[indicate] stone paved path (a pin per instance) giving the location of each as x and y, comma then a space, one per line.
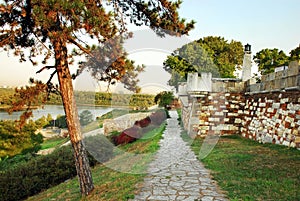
176, 174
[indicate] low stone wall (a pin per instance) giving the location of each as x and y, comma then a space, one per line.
123, 122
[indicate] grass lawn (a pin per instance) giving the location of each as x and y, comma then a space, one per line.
248, 170
111, 184
53, 142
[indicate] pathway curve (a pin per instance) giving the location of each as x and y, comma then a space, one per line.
176, 174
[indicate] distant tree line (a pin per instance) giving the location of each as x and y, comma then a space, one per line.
90, 98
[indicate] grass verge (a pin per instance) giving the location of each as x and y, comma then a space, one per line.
248, 170
53, 142
109, 183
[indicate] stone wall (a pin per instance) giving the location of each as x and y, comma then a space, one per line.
268, 111
220, 114
267, 118
288, 79
273, 118
123, 122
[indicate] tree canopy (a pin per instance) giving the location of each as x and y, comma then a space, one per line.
268, 59
164, 98
32, 29
295, 54
208, 54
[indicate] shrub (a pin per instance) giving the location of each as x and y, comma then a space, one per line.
42, 172
143, 123
128, 136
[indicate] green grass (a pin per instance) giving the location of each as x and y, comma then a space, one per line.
53, 142
248, 170
109, 183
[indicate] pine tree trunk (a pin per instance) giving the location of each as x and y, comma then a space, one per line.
67, 93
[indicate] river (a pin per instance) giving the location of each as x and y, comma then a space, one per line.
54, 111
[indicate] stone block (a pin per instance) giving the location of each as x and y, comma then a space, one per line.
284, 73
294, 68
286, 143
204, 128
276, 105
289, 119
278, 75
271, 76
284, 100
238, 121
262, 104
226, 119
292, 81
233, 114
242, 112
293, 144
267, 139
278, 84
219, 114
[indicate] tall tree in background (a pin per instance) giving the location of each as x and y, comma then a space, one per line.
210, 54
48, 28
295, 54
268, 59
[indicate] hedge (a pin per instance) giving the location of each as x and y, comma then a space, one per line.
43, 172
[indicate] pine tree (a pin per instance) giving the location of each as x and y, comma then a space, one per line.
34, 28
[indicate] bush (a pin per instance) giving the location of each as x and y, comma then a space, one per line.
143, 123
42, 172
128, 136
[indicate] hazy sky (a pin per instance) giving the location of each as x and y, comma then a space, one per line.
261, 23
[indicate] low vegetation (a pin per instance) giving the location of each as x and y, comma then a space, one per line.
37, 174
15, 140
112, 183
248, 170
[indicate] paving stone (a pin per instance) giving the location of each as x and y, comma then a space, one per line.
175, 173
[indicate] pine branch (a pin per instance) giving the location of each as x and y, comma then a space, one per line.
45, 67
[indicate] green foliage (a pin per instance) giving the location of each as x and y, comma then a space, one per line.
268, 59
295, 54
30, 177
15, 140
108, 99
6, 96
43, 121
12, 162
59, 122
164, 99
210, 54
110, 185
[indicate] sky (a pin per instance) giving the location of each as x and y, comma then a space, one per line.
261, 23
